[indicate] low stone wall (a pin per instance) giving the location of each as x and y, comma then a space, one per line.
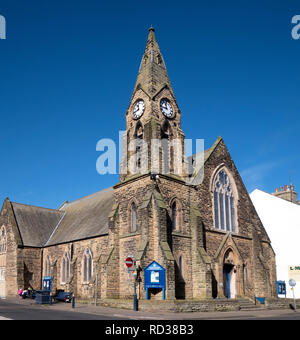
281, 303
175, 306
180, 306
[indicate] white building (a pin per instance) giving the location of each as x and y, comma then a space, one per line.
281, 220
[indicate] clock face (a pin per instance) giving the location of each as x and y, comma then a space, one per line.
166, 108
138, 109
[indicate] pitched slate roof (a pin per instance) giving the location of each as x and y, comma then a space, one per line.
35, 223
84, 218
195, 168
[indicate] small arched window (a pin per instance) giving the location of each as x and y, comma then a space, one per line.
2, 240
224, 201
166, 131
47, 266
176, 216
133, 217
87, 266
65, 271
139, 131
139, 145
180, 264
167, 146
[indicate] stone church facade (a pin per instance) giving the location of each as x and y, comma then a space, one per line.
207, 236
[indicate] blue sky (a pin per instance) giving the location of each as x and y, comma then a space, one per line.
68, 69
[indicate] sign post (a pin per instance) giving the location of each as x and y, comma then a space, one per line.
135, 303
292, 283
96, 289
130, 263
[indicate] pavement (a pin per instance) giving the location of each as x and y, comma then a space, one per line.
124, 314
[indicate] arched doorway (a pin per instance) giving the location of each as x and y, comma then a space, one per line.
229, 275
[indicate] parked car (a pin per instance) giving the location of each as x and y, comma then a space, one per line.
63, 296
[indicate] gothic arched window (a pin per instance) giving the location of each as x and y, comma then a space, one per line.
65, 271
139, 131
47, 266
166, 131
133, 217
167, 148
180, 265
224, 202
139, 145
176, 216
2, 240
87, 266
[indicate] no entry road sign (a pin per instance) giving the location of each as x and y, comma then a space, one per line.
129, 262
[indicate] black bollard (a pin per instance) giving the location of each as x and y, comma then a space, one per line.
135, 303
73, 302
135, 300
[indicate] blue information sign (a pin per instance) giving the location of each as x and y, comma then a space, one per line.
280, 288
47, 283
154, 277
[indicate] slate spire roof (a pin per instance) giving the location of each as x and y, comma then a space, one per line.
153, 75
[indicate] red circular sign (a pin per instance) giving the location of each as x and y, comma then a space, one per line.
129, 262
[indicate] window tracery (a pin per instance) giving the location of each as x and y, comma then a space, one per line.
224, 202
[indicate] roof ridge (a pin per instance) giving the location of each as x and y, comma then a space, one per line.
67, 203
35, 206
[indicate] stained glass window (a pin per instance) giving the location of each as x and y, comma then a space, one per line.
65, 274
47, 266
224, 202
87, 266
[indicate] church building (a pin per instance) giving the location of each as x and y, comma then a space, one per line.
204, 236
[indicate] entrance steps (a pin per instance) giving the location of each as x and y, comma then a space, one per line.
248, 305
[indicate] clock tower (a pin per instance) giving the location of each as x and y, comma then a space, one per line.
154, 141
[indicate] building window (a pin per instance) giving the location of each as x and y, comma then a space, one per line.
167, 147
47, 266
176, 216
2, 240
133, 217
87, 266
224, 202
180, 264
65, 272
139, 131
139, 146
2, 274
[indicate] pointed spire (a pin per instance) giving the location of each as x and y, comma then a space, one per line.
151, 35
153, 75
